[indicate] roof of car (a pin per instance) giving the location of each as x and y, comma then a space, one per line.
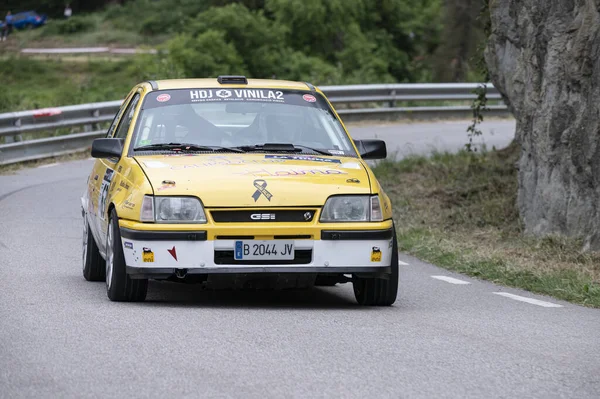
171, 84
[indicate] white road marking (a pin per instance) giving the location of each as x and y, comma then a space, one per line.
48, 165
450, 280
529, 300
400, 263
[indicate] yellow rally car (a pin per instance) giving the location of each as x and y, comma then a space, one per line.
236, 182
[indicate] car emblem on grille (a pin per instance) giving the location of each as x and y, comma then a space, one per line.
307, 216
262, 216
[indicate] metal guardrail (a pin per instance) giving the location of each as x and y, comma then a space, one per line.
386, 96
87, 50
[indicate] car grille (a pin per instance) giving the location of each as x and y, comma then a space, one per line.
263, 215
301, 257
275, 237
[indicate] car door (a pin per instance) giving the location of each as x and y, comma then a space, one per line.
98, 177
107, 172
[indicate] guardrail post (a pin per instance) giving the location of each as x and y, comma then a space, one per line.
96, 114
392, 103
16, 137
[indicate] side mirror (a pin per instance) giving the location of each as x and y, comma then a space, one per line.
371, 149
107, 148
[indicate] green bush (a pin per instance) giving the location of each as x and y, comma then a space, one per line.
75, 24
152, 25
206, 55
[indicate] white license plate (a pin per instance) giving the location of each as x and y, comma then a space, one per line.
264, 250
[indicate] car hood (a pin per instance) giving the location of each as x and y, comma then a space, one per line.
255, 180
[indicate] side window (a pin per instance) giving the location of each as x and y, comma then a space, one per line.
125, 122
113, 125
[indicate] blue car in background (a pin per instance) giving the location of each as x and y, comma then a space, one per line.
26, 19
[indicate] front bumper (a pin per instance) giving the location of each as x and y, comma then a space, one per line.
332, 251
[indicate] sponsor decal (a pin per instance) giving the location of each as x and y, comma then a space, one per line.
124, 185
96, 177
223, 93
261, 189
128, 204
166, 184
162, 98
119, 168
147, 255
375, 254
128, 244
237, 95
173, 252
292, 172
303, 158
336, 152
309, 98
352, 180
106, 180
350, 165
155, 164
226, 161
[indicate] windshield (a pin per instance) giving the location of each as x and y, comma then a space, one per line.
229, 118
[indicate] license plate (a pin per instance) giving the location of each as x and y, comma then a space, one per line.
264, 250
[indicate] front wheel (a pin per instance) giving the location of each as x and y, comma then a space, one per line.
93, 264
119, 286
378, 291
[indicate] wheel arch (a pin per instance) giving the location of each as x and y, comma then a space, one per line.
111, 206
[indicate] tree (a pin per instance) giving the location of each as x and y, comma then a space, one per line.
463, 35
544, 57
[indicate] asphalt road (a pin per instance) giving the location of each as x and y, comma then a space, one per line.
424, 138
61, 337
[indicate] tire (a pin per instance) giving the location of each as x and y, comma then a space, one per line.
119, 286
93, 264
378, 291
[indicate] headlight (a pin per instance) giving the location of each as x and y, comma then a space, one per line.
352, 208
178, 210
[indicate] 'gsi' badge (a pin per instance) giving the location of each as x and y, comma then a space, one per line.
375, 254
148, 255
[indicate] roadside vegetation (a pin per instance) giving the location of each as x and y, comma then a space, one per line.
458, 211
325, 42
31, 84
15, 167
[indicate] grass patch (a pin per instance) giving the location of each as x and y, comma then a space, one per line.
30, 84
458, 211
91, 30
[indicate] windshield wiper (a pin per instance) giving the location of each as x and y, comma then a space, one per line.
185, 147
277, 147
314, 149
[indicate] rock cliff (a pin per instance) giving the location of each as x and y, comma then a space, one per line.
544, 57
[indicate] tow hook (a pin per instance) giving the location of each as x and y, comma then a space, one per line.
181, 273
